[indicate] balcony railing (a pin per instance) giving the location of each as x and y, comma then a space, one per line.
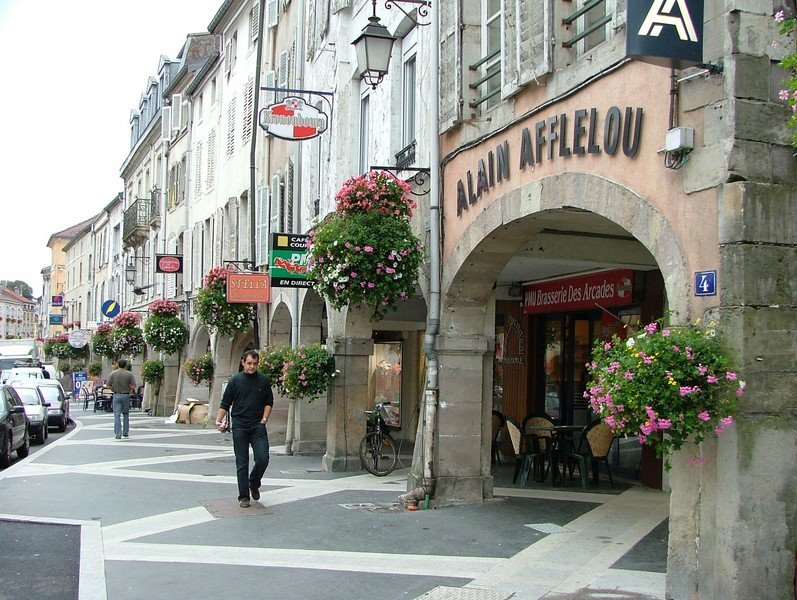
136, 222
154, 209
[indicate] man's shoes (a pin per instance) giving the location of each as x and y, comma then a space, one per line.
243, 503
127, 435
118, 437
255, 493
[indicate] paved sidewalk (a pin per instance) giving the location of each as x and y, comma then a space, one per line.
158, 519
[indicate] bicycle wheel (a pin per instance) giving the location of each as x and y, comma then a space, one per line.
378, 454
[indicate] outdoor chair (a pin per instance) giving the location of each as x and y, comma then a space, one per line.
541, 446
593, 448
516, 438
86, 393
498, 423
103, 399
137, 398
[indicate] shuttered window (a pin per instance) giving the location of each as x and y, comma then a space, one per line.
231, 127
248, 104
261, 259
210, 176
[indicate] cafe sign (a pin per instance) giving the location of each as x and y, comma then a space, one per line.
293, 120
288, 260
248, 287
608, 288
169, 263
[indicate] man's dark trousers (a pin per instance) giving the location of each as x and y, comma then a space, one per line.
242, 438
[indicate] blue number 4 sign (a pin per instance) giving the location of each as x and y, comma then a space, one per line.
706, 283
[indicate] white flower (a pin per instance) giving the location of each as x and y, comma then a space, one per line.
630, 342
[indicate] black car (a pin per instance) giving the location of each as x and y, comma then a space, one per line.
53, 393
13, 426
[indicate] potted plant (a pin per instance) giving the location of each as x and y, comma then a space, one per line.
95, 370
667, 385
215, 312
199, 368
164, 330
152, 372
366, 252
127, 337
272, 361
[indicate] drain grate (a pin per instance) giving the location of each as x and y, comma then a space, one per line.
549, 528
373, 507
443, 592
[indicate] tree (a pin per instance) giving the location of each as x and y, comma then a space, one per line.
20, 287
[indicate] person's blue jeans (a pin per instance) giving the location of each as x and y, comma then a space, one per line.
242, 438
121, 415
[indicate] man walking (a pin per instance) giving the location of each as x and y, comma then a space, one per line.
122, 384
249, 394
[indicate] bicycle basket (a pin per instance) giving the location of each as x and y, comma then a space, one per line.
391, 416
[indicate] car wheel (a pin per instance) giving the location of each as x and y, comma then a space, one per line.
40, 435
62, 424
24, 449
45, 431
5, 454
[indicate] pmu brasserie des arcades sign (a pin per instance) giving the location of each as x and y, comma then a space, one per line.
607, 288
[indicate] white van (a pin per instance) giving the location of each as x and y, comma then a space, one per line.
17, 373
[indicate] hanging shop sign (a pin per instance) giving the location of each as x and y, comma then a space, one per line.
57, 301
608, 288
169, 263
78, 338
288, 260
293, 119
248, 287
585, 131
56, 319
665, 32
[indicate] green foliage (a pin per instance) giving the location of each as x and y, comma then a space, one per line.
95, 369
152, 372
199, 368
166, 334
212, 308
304, 372
102, 342
19, 286
787, 27
127, 341
665, 386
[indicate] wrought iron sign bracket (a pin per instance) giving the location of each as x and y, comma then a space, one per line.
325, 96
421, 5
419, 177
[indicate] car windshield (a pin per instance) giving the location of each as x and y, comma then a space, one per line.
51, 395
29, 397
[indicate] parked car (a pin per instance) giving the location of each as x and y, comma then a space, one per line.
51, 391
36, 409
14, 434
17, 373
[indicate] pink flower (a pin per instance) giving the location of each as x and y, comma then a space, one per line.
664, 424
371, 285
651, 327
665, 333
731, 376
629, 375
642, 438
783, 94
702, 369
368, 249
780, 16
704, 416
647, 428
607, 346
727, 421
711, 379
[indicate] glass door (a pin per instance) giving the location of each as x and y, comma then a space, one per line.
553, 367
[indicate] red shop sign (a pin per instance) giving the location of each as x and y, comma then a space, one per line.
608, 288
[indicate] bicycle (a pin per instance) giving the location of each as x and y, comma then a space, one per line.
378, 453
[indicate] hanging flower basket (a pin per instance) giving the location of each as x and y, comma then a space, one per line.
788, 93
366, 252
199, 368
127, 337
163, 329
102, 342
304, 372
152, 372
227, 318
666, 386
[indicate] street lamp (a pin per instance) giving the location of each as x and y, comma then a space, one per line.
130, 272
373, 49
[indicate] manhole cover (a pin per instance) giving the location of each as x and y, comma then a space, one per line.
454, 593
549, 528
228, 507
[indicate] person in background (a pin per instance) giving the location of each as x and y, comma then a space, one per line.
122, 384
246, 406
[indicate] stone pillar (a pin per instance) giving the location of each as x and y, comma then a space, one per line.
164, 401
462, 444
350, 332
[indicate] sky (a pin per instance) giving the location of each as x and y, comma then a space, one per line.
71, 72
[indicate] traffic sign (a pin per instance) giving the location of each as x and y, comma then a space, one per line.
78, 338
110, 308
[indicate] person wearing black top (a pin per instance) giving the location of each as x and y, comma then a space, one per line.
249, 394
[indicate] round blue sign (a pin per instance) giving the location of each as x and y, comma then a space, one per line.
110, 308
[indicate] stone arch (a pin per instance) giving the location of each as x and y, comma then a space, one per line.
501, 229
280, 322
311, 318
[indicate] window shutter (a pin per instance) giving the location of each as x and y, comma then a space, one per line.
323, 19
228, 57
210, 175
273, 13
248, 104
535, 35
282, 73
171, 279
262, 227
339, 5
196, 246
276, 204
166, 123
188, 259
218, 236
231, 127
254, 20
450, 65
289, 196
271, 81
310, 28
177, 101
198, 169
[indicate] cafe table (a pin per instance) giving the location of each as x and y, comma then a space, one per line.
557, 451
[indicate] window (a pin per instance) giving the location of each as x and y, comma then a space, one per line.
254, 21
408, 90
213, 92
364, 133
590, 24
198, 105
491, 49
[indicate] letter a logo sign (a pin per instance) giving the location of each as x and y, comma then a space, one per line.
668, 33
661, 14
